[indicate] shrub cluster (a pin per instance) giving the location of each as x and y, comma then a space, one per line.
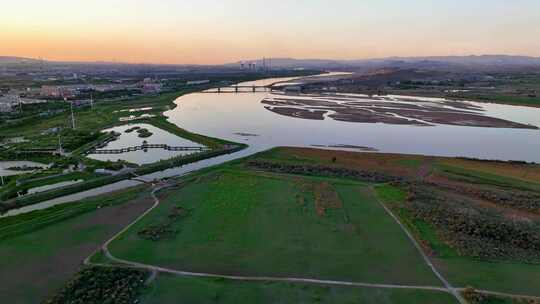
315, 170
474, 297
475, 231
164, 230
144, 133
522, 200
102, 285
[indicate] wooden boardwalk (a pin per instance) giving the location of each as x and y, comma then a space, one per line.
149, 146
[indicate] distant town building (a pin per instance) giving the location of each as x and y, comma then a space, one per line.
5, 108
58, 92
65, 91
109, 87
151, 88
8, 103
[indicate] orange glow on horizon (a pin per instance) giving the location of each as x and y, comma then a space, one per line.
215, 32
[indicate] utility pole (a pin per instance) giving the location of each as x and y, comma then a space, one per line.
60, 150
72, 116
92, 100
91, 87
20, 103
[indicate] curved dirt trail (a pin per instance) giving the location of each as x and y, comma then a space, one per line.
445, 282
154, 269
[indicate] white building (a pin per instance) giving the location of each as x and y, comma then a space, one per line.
8, 103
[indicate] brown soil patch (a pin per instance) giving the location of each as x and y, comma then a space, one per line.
369, 111
326, 198
299, 113
41, 276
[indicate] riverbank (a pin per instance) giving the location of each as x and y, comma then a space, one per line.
130, 174
105, 115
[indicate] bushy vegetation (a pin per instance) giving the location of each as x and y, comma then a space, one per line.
475, 297
319, 170
473, 230
102, 285
144, 133
516, 199
164, 230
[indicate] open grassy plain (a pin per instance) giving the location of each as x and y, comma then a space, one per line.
169, 289
306, 214
240, 222
505, 194
41, 250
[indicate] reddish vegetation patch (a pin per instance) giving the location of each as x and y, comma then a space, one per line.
326, 198
526, 172
380, 162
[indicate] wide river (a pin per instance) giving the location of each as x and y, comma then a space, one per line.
242, 117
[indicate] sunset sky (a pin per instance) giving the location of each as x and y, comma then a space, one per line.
219, 31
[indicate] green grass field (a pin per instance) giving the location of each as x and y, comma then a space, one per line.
171, 289
247, 223
233, 220
41, 250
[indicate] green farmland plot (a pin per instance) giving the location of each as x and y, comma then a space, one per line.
169, 289
254, 224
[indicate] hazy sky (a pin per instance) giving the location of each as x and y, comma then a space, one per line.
218, 31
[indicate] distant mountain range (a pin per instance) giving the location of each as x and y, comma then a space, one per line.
481, 61
13, 60
406, 62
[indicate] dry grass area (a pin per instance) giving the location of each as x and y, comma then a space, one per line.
529, 173
405, 165
392, 164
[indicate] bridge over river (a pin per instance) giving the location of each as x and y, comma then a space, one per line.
241, 89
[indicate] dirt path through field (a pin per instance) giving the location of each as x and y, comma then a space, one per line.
154, 269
